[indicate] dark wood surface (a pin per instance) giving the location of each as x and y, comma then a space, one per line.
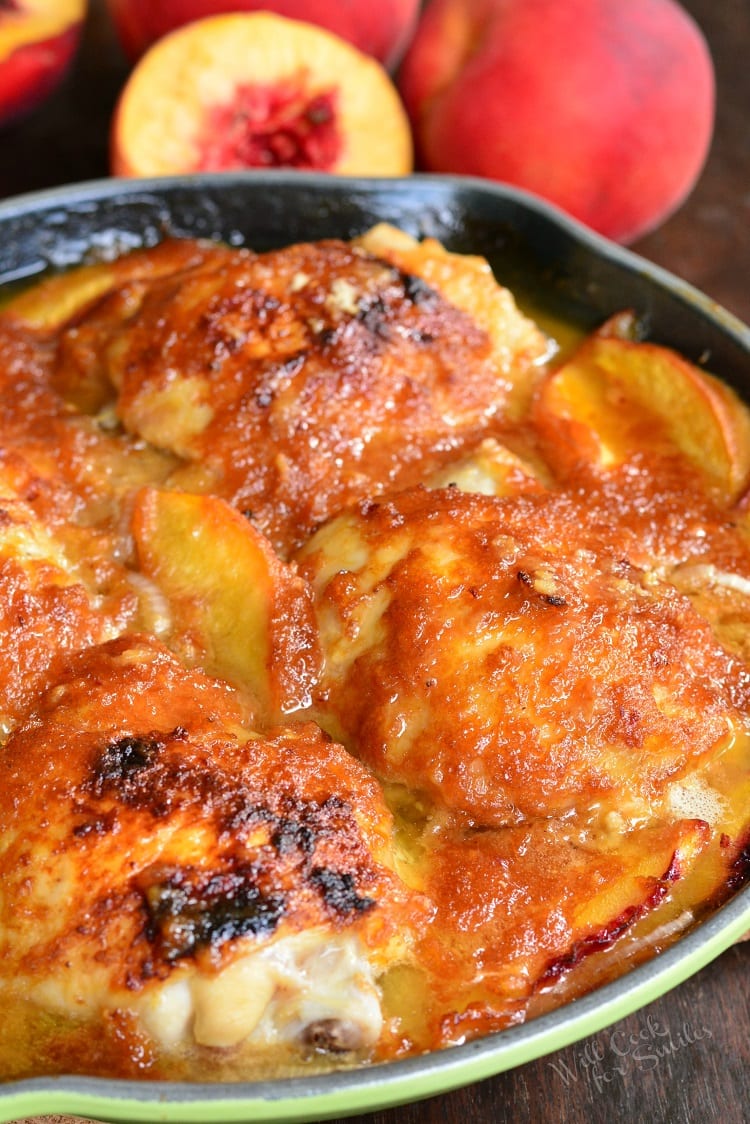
707, 1019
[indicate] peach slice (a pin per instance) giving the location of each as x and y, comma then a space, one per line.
56, 300
578, 900
253, 90
249, 614
38, 39
616, 397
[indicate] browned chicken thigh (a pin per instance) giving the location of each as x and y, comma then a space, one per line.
169, 877
295, 381
479, 650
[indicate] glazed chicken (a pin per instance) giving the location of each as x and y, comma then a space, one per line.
284, 379
540, 710
491, 654
174, 878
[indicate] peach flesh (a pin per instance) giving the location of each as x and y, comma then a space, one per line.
272, 126
161, 123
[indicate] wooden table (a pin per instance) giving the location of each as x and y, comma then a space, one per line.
707, 1078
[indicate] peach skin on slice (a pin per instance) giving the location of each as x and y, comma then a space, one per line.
248, 614
617, 397
256, 90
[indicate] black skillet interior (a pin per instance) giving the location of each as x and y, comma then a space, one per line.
533, 249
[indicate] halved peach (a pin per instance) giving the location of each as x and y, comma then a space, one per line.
248, 614
616, 397
254, 90
38, 39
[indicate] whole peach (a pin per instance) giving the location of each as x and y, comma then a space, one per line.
600, 106
382, 29
38, 39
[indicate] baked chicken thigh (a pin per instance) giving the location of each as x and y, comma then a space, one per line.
169, 879
479, 653
295, 381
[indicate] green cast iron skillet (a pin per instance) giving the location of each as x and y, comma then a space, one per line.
547, 259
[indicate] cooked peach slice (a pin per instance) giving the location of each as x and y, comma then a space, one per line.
577, 900
616, 397
55, 301
49, 304
249, 614
255, 90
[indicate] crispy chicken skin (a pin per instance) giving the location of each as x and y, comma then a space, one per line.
284, 379
467, 281
62, 450
160, 861
477, 652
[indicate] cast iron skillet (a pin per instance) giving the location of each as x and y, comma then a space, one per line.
542, 255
